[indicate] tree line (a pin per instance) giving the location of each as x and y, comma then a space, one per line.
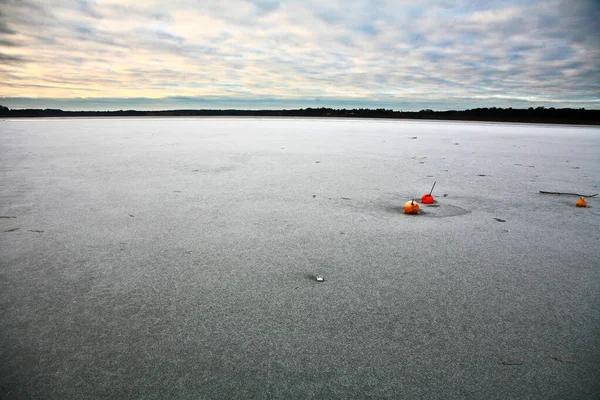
534, 115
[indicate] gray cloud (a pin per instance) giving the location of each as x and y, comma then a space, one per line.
5, 30
85, 29
8, 43
163, 33
29, 85
266, 6
12, 59
89, 7
163, 16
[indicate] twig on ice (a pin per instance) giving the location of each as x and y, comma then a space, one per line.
570, 194
431, 191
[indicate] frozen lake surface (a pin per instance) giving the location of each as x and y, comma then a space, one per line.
176, 258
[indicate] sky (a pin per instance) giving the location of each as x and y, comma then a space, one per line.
278, 54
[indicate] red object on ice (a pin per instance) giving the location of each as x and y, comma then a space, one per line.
427, 199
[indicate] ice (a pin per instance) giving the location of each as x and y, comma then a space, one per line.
176, 257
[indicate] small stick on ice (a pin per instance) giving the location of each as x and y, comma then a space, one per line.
431, 191
570, 194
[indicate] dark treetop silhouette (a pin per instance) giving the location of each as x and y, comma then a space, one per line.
535, 115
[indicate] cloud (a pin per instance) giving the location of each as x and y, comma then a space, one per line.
8, 43
85, 29
89, 7
266, 6
12, 59
375, 52
162, 16
163, 33
5, 30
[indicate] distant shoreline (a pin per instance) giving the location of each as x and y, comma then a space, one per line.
540, 115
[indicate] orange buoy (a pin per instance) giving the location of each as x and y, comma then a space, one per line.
411, 207
427, 199
580, 203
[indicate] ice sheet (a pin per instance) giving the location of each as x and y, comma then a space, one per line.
176, 257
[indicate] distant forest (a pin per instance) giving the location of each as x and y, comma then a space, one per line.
533, 115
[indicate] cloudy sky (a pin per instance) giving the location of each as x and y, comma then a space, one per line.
400, 54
